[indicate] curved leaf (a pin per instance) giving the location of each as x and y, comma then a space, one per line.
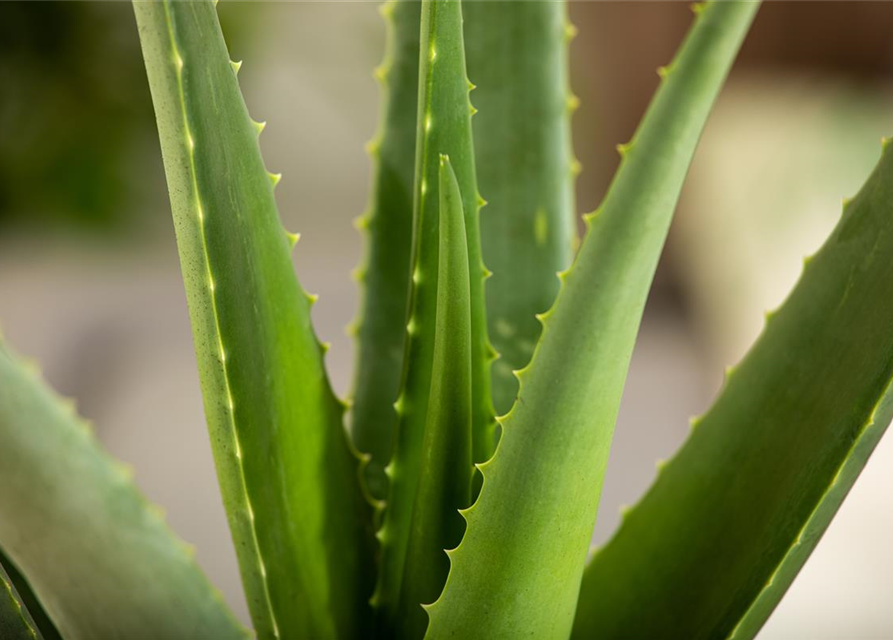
517, 571
99, 558
717, 540
301, 526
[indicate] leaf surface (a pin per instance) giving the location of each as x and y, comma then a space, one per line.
517, 55
384, 276
517, 571
99, 558
300, 524
444, 128
723, 531
445, 481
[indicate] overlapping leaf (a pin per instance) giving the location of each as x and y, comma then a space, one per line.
444, 128
729, 522
517, 55
518, 568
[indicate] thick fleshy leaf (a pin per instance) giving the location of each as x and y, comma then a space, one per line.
717, 540
384, 276
517, 54
445, 481
99, 558
444, 128
517, 571
289, 480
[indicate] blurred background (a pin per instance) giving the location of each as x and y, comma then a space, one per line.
89, 275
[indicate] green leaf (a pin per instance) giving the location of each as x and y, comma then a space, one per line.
445, 485
444, 128
99, 558
384, 276
517, 571
517, 55
41, 618
301, 526
15, 621
721, 534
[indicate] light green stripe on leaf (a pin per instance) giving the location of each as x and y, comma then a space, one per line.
444, 128
15, 620
719, 537
36, 610
517, 571
384, 276
301, 527
99, 558
517, 55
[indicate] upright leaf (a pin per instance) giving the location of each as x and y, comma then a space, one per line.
99, 558
445, 482
444, 128
518, 57
517, 571
384, 276
289, 481
717, 540
15, 621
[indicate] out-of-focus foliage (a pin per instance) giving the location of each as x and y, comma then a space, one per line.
75, 114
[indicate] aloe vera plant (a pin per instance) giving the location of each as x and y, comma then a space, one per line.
426, 515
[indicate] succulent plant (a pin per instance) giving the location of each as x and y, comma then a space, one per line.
430, 516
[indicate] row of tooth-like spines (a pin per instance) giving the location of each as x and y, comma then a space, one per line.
625, 149
122, 472
275, 178
520, 374
572, 102
291, 237
730, 371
